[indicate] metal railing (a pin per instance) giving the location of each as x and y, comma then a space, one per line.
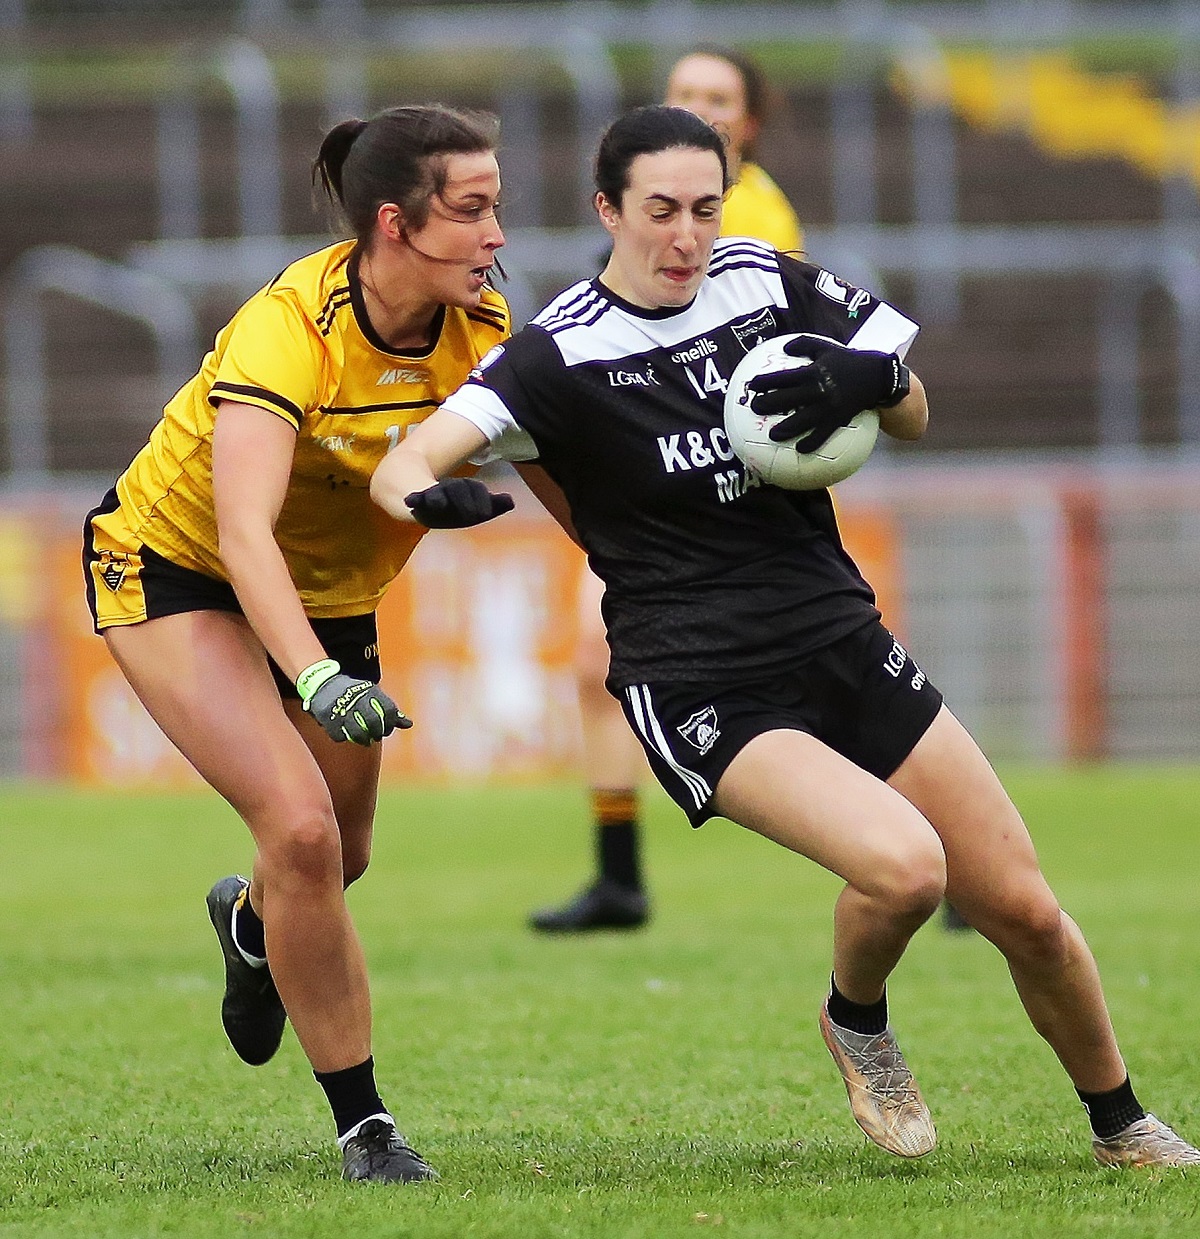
159, 280
156, 304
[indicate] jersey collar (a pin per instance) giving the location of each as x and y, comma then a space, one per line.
373, 338
640, 311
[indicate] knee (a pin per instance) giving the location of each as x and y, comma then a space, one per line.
1027, 926
912, 882
304, 852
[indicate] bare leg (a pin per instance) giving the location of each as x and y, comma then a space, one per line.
994, 879
793, 789
204, 678
790, 787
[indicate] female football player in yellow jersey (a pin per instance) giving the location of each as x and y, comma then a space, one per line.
235, 568
726, 88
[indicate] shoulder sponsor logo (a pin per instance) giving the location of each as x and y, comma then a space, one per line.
828, 285
490, 357
401, 374
701, 730
753, 329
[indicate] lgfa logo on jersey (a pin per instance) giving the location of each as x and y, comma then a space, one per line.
633, 378
701, 730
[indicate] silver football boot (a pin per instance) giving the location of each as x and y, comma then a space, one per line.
884, 1097
1146, 1142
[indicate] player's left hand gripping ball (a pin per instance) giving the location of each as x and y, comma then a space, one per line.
840, 383
346, 707
457, 503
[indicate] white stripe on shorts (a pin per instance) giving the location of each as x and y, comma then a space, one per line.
652, 732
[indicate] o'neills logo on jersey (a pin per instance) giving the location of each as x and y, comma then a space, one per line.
703, 348
701, 730
633, 378
753, 330
112, 568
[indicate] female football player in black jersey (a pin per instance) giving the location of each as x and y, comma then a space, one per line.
746, 647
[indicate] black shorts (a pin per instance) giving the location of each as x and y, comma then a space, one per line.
170, 589
863, 696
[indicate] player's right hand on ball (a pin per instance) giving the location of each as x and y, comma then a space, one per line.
346, 707
457, 503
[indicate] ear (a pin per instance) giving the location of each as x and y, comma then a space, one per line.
389, 219
610, 216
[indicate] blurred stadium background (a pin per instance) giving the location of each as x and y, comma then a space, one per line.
1020, 175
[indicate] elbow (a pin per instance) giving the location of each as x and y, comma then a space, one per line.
239, 543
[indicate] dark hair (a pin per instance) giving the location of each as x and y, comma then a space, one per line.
646, 131
760, 98
397, 156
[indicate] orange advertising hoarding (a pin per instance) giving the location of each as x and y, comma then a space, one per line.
477, 637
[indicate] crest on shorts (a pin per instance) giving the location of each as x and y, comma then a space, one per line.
754, 329
112, 568
701, 730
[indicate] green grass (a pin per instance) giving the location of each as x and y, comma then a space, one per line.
660, 1084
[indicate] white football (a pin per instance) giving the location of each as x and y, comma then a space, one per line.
779, 463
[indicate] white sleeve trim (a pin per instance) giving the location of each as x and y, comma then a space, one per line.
885, 330
484, 409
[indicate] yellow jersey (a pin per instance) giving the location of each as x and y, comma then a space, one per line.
304, 349
756, 207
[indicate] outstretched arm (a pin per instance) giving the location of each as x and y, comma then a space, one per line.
408, 485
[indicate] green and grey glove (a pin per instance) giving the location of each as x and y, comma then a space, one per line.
346, 707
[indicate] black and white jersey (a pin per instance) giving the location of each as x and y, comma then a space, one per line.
709, 574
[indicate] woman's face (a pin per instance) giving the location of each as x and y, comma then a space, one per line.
457, 243
714, 90
664, 229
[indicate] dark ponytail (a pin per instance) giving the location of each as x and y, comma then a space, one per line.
335, 146
397, 156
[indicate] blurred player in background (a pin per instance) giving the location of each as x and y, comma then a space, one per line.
728, 89
235, 568
746, 647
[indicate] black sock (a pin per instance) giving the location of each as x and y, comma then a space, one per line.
352, 1094
615, 814
1113, 1111
868, 1020
248, 930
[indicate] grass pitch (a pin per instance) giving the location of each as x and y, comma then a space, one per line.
659, 1084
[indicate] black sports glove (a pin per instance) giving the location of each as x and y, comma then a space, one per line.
457, 503
840, 383
348, 708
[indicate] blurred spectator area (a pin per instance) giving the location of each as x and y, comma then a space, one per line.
1019, 175
893, 145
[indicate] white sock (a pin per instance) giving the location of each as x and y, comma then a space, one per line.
255, 961
383, 1114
